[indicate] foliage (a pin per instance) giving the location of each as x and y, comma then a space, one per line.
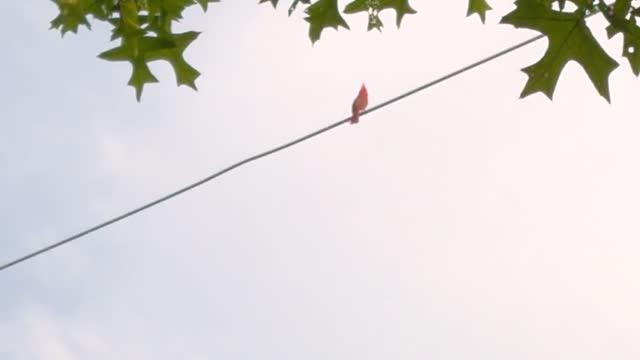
143, 29
569, 39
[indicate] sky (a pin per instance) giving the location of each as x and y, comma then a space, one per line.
460, 223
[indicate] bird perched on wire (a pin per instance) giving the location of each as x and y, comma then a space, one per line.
359, 104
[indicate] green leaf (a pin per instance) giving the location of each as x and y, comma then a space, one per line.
185, 73
138, 51
205, 3
323, 14
129, 22
618, 23
479, 7
357, 6
295, 3
73, 13
368, 7
631, 48
103, 9
621, 7
140, 76
616, 16
569, 39
273, 2
562, 3
120, 27
373, 8
172, 9
401, 7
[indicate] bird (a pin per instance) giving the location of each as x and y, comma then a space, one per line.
359, 104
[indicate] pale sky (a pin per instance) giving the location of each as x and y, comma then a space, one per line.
461, 223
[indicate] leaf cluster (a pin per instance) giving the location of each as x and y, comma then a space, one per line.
143, 29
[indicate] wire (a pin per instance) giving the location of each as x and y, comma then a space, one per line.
264, 154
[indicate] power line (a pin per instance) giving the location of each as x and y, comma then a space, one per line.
264, 154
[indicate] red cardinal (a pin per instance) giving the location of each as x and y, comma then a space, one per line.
359, 104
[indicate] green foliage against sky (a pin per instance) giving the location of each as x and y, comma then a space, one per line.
143, 29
